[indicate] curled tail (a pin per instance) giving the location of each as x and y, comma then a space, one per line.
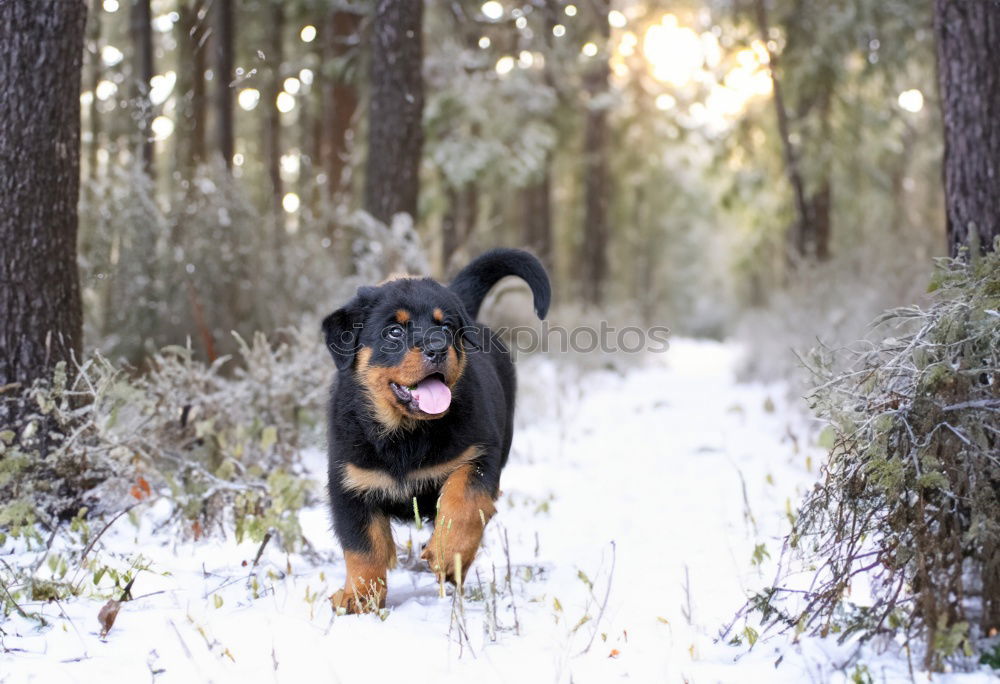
475, 280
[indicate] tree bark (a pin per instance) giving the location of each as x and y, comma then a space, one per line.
819, 207
340, 95
41, 60
458, 222
537, 218
395, 134
272, 117
797, 239
595, 164
141, 21
191, 133
223, 40
93, 77
968, 34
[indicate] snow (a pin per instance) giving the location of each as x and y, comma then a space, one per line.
669, 472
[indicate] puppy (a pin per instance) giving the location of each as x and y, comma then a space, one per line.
420, 419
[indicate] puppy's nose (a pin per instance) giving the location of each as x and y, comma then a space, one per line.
435, 347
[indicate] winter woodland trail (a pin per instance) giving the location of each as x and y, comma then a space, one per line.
669, 471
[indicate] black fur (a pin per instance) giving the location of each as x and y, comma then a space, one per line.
482, 406
475, 280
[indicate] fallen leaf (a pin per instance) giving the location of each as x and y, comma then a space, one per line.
141, 489
614, 653
107, 616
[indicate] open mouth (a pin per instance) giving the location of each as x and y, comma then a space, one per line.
431, 395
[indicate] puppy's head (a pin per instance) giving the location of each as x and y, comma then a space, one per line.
405, 342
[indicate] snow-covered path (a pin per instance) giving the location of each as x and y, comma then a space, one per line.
670, 472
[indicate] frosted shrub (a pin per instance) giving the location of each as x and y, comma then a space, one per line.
911, 496
220, 440
200, 263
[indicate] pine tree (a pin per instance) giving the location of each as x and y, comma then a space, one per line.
395, 133
41, 61
968, 33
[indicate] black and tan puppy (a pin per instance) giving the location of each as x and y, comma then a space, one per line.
421, 418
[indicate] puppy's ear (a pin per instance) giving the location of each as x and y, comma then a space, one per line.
469, 333
342, 328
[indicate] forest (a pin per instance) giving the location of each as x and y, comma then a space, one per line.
801, 483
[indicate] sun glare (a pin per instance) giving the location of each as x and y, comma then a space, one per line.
504, 65
492, 10
674, 52
105, 89
111, 55
285, 102
695, 64
162, 127
911, 100
248, 98
290, 203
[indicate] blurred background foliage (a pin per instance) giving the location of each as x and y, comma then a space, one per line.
707, 214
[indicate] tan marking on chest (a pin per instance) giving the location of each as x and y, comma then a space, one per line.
378, 483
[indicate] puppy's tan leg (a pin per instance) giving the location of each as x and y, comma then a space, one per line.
365, 587
463, 511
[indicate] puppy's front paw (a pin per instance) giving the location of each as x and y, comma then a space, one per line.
450, 559
349, 601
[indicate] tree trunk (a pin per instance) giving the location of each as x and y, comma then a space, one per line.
94, 71
458, 222
537, 218
272, 117
199, 94
595, 164
797, 239
395, 134
141, 20
191, 36
340, 95
819, 207
223, 41
968, 33
819, 221
41, 60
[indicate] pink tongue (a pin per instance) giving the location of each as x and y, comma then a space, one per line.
432, 396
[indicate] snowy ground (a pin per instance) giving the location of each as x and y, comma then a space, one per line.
670, 473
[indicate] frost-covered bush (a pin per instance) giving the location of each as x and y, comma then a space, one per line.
201, 262
485, 128
910, 500
220, 440
156, 271
380, 251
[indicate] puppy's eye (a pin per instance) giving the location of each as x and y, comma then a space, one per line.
394, 332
